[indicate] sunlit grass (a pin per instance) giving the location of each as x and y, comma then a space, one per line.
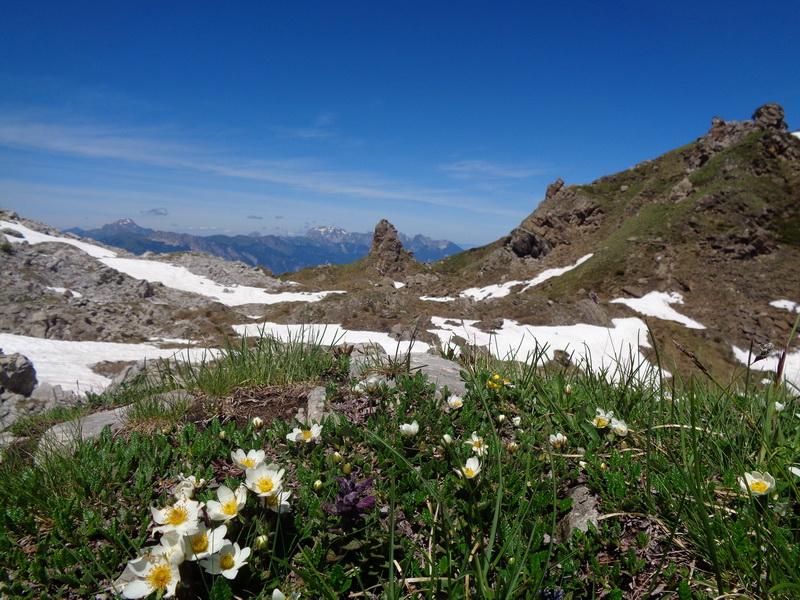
450, 518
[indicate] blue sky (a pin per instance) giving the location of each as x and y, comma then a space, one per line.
447, 118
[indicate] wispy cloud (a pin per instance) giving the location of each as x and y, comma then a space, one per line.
156, 212
254, 217
470, 169
299, 175
321, 128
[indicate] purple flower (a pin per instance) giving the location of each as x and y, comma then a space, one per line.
350, 505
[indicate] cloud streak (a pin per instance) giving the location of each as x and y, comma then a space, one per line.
469, 169
301, 175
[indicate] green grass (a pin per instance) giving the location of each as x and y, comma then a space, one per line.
674, 522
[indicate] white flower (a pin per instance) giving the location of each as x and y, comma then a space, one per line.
471, 469
258, 422
183, 517
447, 439
619, 427
265, 480
279, 595
170, 546
757, 483
205, 542
558, 441
186, 486
229, 505
478, 447
779, 406
501, 418
516, 421
155, 574
409, 429
279, 502
304, 435
795, 471
251, 460
370, 384
603, 418
455, 402
227, 561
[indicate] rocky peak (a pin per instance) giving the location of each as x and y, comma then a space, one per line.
770, 116
726, 133
387, 249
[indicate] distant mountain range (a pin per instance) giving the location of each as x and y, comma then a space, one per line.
280, 254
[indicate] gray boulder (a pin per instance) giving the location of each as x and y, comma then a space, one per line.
17, 374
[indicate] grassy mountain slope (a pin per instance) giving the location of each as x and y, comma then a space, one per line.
717, 220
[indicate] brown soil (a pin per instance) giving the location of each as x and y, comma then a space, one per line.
243, 404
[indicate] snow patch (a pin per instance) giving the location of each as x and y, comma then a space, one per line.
500, 290
791, 368
329, 335
657, 304
67, 364
180, 278
61, 290
786, 305
610, 350
35, 237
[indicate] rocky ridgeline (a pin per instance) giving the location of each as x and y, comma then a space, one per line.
568, 214
57, 291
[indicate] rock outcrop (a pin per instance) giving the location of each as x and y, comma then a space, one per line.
22, 395
17, 375
387, 250
724, 134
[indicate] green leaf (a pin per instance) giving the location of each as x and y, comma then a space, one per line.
221, 590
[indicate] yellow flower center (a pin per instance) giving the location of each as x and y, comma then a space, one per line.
249, 462
273, 500
230, 507
306, 434
468, 472
226, 561
177, 515
265, 485
758, 486
199, 543
478, 443
600, 422
160, 577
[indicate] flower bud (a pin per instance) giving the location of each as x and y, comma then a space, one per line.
517, 421
568, 389
447, 439
501, 418
337, 458
258, 422
165, 430
346, 468
261, 542
223, 435
512, 447
511, 561
317, 485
